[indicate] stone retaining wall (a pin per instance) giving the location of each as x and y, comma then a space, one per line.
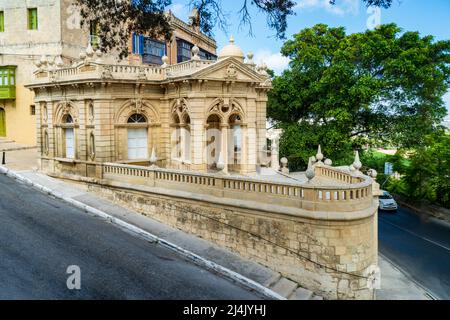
322, 255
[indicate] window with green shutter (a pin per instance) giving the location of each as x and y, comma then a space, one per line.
2, 21
7, 82
32, 19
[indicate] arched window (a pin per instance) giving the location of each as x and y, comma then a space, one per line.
176, 138
69, 134
186, 134
214, 140
137, 118
235, 145
137, 138
68, 119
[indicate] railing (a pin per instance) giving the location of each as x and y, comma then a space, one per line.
95, 70
187, 66
334, 173
354, 196
137, 70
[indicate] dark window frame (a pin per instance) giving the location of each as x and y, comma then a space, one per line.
184, 52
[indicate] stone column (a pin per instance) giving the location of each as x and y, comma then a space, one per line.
223, 159
244, 156
274, 135
249, 150
197, 145
183, 142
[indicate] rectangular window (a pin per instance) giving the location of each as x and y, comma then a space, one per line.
94, 32
33, 110
5, 78
205, 55
184, 52
153, 51
134, 43
32, 19
7, 82
2, 21
137, 143
70, 143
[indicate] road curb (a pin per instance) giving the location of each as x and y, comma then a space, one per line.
210, 265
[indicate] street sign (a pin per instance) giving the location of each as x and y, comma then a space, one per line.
388, 168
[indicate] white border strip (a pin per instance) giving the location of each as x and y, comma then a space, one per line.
148, 236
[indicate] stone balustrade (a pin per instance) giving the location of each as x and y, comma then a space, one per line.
351, 193
337, 174
99, 71
187, 67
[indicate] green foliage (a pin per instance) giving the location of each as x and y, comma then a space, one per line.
348, 91
117, 19
425, 173
428, 175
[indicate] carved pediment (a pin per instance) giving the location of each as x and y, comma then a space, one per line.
229, 70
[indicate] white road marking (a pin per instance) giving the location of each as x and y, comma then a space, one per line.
416, 235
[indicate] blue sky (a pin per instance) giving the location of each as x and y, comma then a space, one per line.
428, 17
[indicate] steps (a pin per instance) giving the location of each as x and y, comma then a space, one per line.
290, 289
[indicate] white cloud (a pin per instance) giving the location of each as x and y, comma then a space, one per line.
274, 61
341, 7
179, 10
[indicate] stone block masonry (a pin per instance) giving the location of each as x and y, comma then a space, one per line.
324, 256
203, 123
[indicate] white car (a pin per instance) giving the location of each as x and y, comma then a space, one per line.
387, 202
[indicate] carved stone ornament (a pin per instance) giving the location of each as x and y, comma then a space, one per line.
66, 108
142, 75
138, 106
107, 72
231, 72
52, 75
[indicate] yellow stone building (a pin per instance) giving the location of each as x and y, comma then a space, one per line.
185, 144
51, 28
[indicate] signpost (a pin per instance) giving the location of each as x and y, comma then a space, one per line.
388, 169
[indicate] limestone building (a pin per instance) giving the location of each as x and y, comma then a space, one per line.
32, 28
185, 144
197, 115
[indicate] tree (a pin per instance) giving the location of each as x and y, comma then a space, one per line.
428, 174
347, 91
116, 19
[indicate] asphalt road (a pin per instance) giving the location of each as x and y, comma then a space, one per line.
418, 245
40, 237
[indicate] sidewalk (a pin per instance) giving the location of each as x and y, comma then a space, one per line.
395, 285
18, 156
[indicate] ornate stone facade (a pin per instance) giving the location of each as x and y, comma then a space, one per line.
198, 115
60, 36
185, 144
